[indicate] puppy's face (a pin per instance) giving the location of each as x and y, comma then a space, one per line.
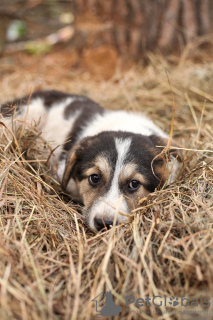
113, 170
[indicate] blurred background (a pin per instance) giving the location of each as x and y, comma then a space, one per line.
101, 36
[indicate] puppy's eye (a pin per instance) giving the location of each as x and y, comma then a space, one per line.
134, 185
94, 179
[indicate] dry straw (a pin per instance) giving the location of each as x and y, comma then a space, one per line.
51, 264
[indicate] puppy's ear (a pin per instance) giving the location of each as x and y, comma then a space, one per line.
166, 164
71, 161
176, 153
164, 153
75, 155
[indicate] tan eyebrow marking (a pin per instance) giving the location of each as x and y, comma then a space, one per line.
102, 166
129, 172
92, 170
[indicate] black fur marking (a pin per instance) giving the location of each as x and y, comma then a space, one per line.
8, 109
142, 151
89, 109
52, 97
49, 97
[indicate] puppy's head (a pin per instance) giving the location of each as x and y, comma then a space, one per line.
113, 170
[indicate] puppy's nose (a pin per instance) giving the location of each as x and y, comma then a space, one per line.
102, 223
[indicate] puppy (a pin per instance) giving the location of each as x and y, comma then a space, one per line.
107, 160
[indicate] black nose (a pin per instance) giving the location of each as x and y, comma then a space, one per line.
102, 223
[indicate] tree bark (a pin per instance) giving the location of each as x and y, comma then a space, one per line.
134, 27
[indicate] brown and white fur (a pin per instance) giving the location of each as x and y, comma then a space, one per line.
104, 158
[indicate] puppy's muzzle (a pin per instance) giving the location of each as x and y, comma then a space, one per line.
102, 224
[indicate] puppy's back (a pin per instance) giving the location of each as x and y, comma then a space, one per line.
58, 115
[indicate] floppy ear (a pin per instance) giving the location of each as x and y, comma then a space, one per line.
176, 153
166, 165
71, 161
161, 153
75, 154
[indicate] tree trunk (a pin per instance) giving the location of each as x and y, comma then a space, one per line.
134, 27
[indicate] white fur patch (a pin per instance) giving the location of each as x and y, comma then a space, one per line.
121, 121
57, 128
31, 114
105, 207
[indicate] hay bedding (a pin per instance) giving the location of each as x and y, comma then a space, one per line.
51, 264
